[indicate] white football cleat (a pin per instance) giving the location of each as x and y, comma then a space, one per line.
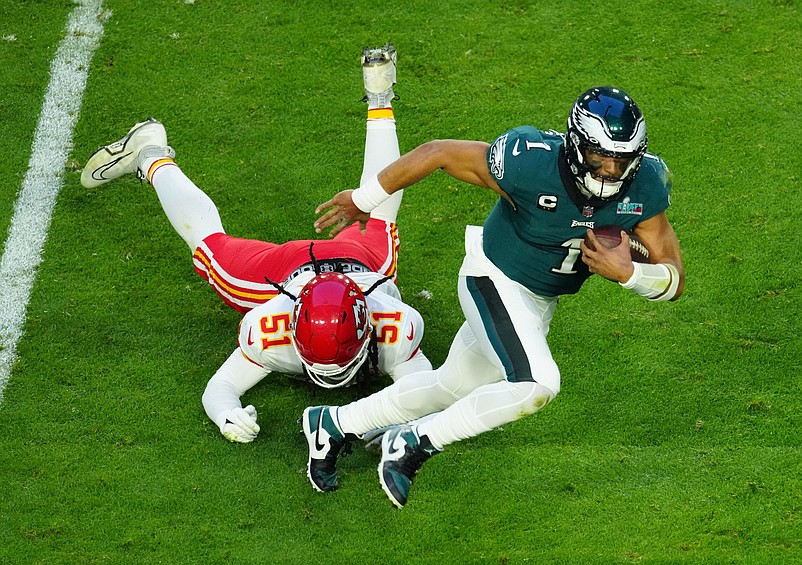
378, 72
122, 157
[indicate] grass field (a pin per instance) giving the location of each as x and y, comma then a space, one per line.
677, 435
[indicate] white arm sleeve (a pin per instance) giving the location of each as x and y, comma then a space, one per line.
655, 282
232, 380
369, 195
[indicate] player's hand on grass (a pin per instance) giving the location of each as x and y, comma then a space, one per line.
241, 426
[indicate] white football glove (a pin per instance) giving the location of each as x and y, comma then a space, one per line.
241, 425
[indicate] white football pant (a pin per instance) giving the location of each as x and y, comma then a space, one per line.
484, 383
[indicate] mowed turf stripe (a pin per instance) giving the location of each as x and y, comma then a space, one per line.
51, 146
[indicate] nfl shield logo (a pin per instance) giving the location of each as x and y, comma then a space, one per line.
587, 211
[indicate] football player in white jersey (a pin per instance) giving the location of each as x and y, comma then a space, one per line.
326, 309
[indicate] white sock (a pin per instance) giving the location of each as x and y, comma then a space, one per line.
407, 399
381, 149
191, 212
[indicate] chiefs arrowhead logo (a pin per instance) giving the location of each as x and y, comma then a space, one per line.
361, 318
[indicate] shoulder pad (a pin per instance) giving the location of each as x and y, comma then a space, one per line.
514, 154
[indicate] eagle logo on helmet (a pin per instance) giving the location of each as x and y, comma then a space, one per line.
605, 121
331, 329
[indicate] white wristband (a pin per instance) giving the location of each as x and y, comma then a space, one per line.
655, 282
369, 195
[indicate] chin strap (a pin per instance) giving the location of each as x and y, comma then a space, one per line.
600, 185
655, 282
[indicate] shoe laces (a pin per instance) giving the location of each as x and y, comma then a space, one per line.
340, 447
378, 55
413, 459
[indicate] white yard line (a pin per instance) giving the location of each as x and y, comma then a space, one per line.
51, 147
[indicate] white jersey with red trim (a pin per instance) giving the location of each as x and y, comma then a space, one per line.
265, 343
265, 338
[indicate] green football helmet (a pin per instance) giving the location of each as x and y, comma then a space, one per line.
605, 121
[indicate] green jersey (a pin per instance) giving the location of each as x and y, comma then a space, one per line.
535, 239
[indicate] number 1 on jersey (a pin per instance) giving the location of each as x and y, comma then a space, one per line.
568, 266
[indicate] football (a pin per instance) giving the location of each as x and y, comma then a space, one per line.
610, 236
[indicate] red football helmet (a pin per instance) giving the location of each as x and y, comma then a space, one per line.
331, 329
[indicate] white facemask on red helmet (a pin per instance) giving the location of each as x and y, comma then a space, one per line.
331, 329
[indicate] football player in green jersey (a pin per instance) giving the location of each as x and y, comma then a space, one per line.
554, 188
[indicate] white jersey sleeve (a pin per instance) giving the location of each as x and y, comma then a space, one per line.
399, 330
231, 380
265, 346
